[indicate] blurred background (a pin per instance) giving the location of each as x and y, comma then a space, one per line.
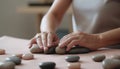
22, 25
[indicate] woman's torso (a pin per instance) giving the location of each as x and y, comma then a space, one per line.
95, 16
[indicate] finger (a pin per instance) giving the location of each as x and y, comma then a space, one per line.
50, 39
65, 37
32, 41
44, 39
55, 41
67, 41
71, 44
69, 35
39, 42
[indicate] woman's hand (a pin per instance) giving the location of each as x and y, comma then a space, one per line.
44, 40
91, 41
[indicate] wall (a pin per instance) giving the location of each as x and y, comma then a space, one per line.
16, 24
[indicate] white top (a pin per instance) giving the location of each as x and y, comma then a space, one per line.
85, 14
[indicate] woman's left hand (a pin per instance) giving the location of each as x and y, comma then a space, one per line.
91, 41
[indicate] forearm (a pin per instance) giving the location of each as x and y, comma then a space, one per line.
110, 37
53, 18
49, 23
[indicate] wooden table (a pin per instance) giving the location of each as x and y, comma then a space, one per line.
40, 11
16, 45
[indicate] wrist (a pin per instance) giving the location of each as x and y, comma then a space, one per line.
102, 41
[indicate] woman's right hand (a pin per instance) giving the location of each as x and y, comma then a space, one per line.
45, 40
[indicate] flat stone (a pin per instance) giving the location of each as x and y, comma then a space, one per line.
47, 65
35, 49
28, 56
14, 59
98, 58
75, 65
116, 57
60, 50
72, 58
79, 50
2, 51
18, 55
7, 65
111, 64
51, 50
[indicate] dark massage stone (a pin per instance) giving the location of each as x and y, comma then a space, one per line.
14, 59
72, 58
79, 50
51, 50
7, 65
35, 49
111, 64
47, 65
98, 58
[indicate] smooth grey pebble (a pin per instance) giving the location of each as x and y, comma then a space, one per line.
98, 58
111, 64
47, 65
14, 59
7, 65
72, 58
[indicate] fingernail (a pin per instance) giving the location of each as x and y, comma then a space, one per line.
45, 48
49, 45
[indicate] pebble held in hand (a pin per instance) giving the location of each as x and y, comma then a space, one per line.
35, 49
60, 50
79, 50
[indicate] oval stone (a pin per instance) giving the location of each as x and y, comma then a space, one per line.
14, 59
51, 50
98, 58
35, 49
47, 65
7, 65
2, 51
60, 50
111, 64
18, 55
75, 65
116, 57
28, 56
72, 58
79, 50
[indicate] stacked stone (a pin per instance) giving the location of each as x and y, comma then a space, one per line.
73, 62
